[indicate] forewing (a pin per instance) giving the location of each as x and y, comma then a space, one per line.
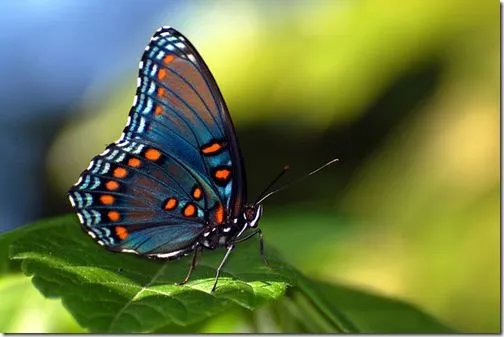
179, 108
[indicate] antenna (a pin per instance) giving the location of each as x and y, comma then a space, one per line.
284, 170
293, 182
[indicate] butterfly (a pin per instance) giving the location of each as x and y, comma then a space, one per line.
174, 182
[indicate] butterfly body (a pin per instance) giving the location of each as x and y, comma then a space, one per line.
174, 182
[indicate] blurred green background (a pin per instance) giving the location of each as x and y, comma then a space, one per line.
406, 94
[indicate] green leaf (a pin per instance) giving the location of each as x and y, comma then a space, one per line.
109, 292
25, 310
324, 307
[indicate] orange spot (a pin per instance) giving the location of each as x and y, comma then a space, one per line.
161, 92
168, 58
162, 73
222, 174
121, 232
219, 214
158, 111
189, 210
212, 148
113, 216
152, 154
197, 193
134, 162
120, 172
170, 204
112, 185
107, 199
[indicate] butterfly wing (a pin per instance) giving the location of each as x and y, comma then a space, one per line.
178, 104
176, 170
134, 198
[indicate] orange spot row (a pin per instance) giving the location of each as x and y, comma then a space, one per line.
170, 204
112, 185
222, 174
152, 154
161, 92
158, 110
168, 58
121, 232
120, 172
114, 216
134, 162
107, 199
219, 214
197, 193
189, 210
162, 74
211, 148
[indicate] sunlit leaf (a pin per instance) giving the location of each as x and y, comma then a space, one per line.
110, 292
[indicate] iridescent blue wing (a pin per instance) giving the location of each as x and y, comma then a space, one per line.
134, 198
178, 107
176, 171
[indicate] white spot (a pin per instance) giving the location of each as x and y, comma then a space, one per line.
206, 234
155, 38
165, 28
153, 70
87, 217
85, 184
89, 199
160, 55
90, 166
120, 158
141, 127
140, 65
96, 215
152, 87
104, 153
100, 242
148, 107
81, 220
147, 48
180, 45
97, 166
112, 155
71, 200
106, 168
163, 34
129, 251
182, 38
226, 229
91, 234
78, 181
191, 58
139, 81
129, 117
161, 256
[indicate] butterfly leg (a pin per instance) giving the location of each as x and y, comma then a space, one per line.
261, 248
261, 244
230, 248
194, 262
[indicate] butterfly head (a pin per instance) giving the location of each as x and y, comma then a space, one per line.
251, 214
